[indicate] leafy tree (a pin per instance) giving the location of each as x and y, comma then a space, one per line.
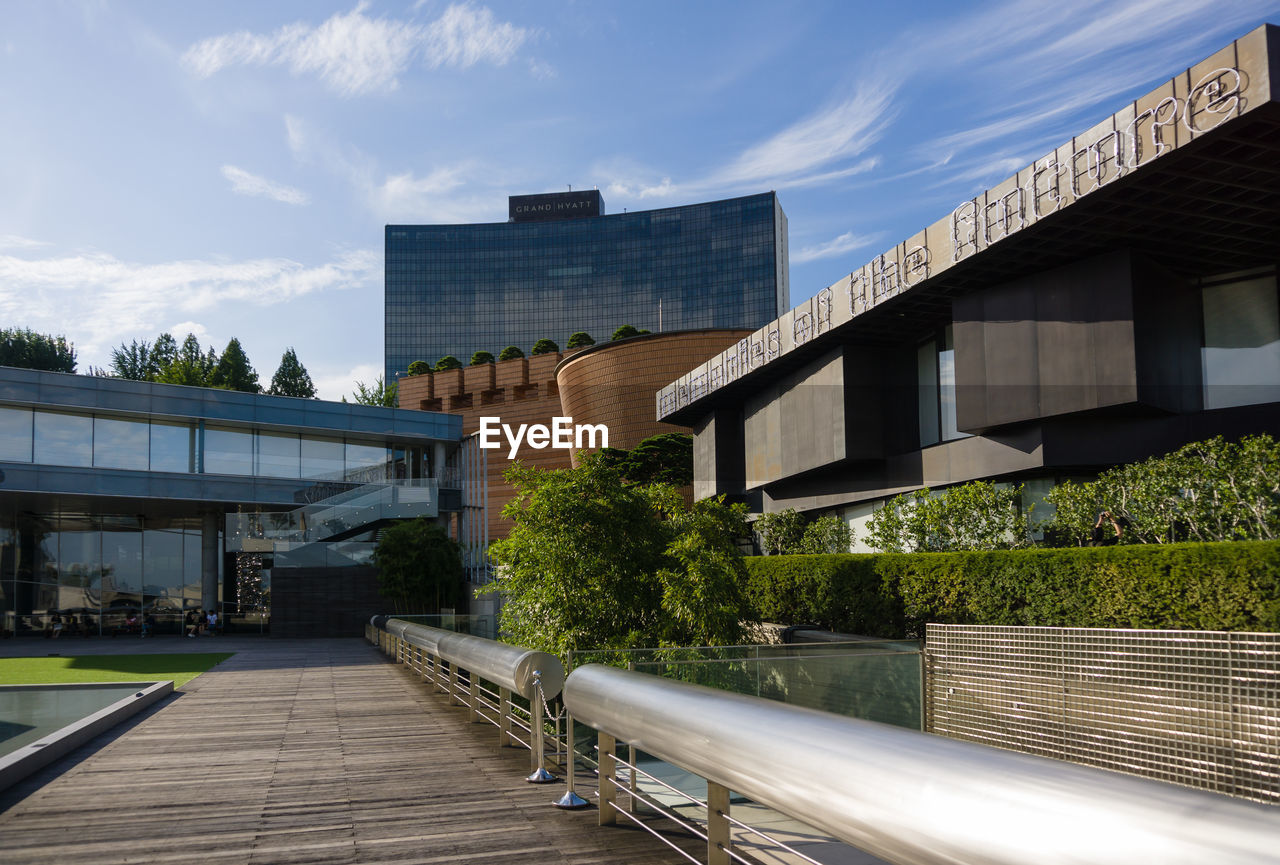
419, 566
664, 458
189, 366
481, 357
379, 393
448, 362
975, 516
580, 339
511, 352
291, 378
826, 535
625, 332
30, 350
164, 351
781, 532
233, 370
133, 361
419, 367
544, 346
595, 563
1211, 490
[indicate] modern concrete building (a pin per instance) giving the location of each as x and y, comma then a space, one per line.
1113, 300
560, 265
121, 497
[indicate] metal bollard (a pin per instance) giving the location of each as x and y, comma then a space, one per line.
536, 745
570, 800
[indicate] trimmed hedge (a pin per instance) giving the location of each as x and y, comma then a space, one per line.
1230, 586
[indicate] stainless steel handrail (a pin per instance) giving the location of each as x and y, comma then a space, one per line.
533, 675
909, 797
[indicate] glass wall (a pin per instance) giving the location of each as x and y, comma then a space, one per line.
1240, 355
936, 389
106, 441
96, 573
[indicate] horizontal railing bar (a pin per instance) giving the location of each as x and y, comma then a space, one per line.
754, 831
692, 799
684, 823
633, 818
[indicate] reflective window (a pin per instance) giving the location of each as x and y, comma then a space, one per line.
322, 459
228, 451
927, 392
366, 463
278, 455
162, 555
120, 444
1240, 358
947, 388
63, 439
15, 434
121, 560
172, 447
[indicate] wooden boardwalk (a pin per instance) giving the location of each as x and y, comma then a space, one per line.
305, 751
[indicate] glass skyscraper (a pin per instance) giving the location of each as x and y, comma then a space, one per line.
556, 267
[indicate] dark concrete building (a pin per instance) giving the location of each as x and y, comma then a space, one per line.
122, 498
1113, 300
561, 265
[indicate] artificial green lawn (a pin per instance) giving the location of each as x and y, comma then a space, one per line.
107, 668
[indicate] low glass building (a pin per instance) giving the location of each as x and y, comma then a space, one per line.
560, 265
121, 500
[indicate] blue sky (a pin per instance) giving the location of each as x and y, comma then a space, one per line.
227, 168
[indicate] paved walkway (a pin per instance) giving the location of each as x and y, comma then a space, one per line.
298, 751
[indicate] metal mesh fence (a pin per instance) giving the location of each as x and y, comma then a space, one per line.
1199, 708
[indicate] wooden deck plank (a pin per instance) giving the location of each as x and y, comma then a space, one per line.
318, 751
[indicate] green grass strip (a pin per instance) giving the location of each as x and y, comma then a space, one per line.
180, 668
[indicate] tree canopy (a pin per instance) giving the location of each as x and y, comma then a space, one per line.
379, 393
30, 350
787, 533
975, 516
580, 339
448, 362
291, 378
419, 367
481, 357
419, 566
233, 370
595, 563
544, 346
626, 332
511, 352
664, 458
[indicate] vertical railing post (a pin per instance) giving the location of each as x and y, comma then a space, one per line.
453, 683
717, 824
537, 747
607, 775
570, 799
473, 697
504, 717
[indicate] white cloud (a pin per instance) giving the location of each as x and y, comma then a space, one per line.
96, 299
816, 149
846, 242
354, 54
14, 241
336, 385
244, 183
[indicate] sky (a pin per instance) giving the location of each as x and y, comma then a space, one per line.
226, 169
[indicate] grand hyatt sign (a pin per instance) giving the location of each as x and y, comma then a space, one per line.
1188, 106
554, 205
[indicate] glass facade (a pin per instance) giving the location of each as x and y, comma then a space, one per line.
103, 441
95, 571
936, 389
456, 289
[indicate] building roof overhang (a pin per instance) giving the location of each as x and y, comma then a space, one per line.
1188, 175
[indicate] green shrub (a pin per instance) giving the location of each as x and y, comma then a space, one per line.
448, 362
544, 346
419, 367
580, 339
481, 357
511, 352
1229, 586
